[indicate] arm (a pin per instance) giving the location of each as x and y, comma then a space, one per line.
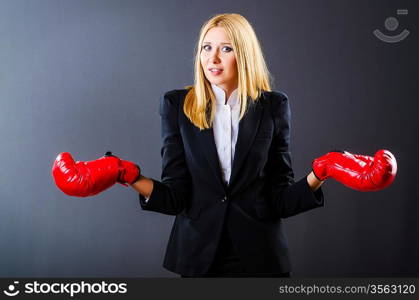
288, 197
171, 194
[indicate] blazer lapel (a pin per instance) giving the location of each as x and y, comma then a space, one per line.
248, 127
207, 144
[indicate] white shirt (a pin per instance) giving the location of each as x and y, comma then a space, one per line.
226, 129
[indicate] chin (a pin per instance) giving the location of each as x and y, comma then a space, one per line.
216, 81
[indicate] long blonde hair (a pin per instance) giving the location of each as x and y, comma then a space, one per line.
253, 74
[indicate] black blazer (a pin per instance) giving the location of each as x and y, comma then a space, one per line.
261, 190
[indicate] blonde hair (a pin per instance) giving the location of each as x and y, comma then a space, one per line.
253, 74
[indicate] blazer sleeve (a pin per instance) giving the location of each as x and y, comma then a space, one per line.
289, 197
171, 194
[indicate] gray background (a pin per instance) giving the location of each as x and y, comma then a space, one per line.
86, 77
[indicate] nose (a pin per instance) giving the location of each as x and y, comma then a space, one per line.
214, 58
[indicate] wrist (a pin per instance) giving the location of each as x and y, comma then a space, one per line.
144, 186
313, 181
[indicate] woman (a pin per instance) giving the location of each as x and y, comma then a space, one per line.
241, 235
227, 172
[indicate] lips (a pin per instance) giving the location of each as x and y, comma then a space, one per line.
215, 71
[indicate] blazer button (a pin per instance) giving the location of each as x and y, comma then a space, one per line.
224, 199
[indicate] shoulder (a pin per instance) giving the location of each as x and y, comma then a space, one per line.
175, 95
278, 105
172, 100
276, 100
275, 97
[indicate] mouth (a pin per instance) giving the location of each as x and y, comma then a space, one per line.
215, 71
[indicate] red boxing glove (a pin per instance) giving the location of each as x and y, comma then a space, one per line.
83, 179
359, 172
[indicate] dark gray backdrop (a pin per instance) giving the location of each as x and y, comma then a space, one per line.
86, 77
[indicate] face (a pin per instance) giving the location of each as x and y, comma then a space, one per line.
218, 59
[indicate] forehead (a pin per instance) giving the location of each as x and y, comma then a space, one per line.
216, 35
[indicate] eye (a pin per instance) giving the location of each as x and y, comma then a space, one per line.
206, 47
227, 49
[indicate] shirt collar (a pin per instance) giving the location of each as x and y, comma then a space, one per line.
220, 96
